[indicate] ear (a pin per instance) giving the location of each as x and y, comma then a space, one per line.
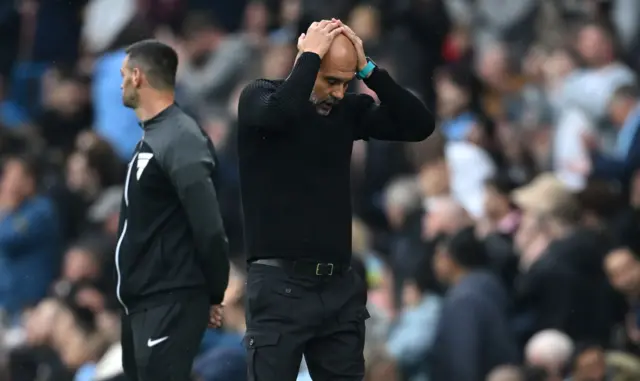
136, 77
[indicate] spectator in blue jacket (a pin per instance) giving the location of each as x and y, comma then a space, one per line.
624, 112
29, 237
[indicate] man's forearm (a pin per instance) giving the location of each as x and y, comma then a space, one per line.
212, 247
401, 115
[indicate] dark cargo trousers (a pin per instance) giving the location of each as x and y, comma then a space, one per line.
290, 313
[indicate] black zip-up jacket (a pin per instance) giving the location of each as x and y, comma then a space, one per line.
172, 243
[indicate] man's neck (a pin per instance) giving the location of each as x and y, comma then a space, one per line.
458, 276
154, 107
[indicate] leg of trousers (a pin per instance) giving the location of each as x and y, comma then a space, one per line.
160, 343
289, 315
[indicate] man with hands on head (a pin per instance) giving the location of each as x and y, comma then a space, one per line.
295, 140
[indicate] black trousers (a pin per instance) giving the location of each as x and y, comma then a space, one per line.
290, 315
160, 343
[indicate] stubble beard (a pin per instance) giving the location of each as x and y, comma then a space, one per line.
130, 101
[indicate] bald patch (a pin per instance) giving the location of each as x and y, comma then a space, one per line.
341, 56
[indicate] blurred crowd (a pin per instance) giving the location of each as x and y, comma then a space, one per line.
506, 247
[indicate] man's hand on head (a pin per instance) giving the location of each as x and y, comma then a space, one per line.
319, 37
357, 43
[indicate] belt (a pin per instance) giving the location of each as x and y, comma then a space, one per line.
307, 268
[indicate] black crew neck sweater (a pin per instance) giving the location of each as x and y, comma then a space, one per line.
295, 164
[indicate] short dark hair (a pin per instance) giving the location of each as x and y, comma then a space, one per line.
423, 276
580, 349
159, 62
465, 249
502, 183
31, 165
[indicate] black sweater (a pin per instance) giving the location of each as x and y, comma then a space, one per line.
295, 164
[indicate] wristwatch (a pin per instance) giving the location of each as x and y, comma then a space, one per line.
367, 69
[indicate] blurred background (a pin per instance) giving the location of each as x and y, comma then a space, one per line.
533, 170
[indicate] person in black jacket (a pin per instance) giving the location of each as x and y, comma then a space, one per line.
294, 145
171, 256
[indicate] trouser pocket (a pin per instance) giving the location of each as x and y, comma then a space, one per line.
261, 354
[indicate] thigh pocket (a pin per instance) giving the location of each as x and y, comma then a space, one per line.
355, 320
356, 315
261, 359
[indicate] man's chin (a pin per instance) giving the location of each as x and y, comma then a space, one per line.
324, 109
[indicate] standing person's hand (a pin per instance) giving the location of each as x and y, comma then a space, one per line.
215, 316
319, 37
590, 142
357, 42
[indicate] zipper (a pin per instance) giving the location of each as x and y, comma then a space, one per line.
121, 239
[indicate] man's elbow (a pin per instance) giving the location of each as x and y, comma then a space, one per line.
421, 129
218, 246
420, 125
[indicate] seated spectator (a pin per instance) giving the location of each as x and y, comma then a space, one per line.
36, 350
29, 237
83, 261
412, 335
623, 366
67, 109
444, 216
562, 284
78, 341
403, 209
501, 214
473, 336
625, 113
498, 228
623, 269
588, 363
551, 350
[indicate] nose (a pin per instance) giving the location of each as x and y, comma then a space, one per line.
338, 93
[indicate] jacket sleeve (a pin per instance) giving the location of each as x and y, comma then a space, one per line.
265, 106
190, 166
606, 167
35, 222
461, 332
400, 116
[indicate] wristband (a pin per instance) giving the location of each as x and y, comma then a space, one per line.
366, 70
